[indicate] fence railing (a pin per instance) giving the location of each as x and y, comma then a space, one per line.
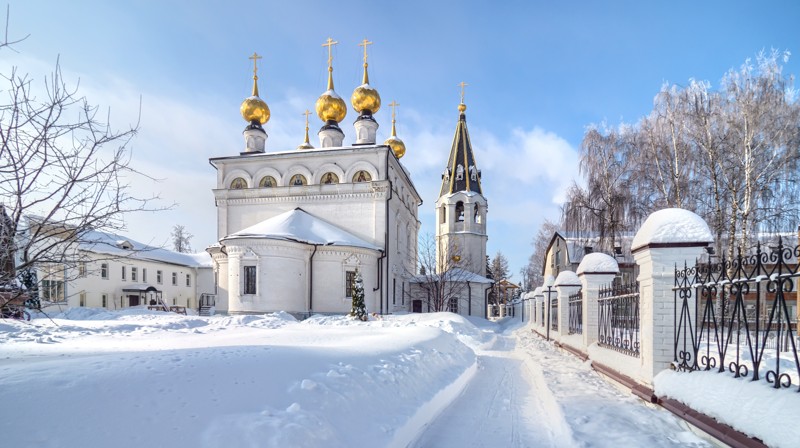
554, 314
576, 313
618, 323
733, 315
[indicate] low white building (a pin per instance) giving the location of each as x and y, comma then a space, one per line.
116, 272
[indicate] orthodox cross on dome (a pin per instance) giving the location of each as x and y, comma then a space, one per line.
462, 85
330, 43
393, 104
255, 57
364, 44
306, 113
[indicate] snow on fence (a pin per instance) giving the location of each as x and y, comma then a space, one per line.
733, 315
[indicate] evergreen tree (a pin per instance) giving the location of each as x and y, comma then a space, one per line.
359, 309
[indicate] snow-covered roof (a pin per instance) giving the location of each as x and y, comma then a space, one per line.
456, 274
672, 225
567, 278
598, 262
123, 247
300, 226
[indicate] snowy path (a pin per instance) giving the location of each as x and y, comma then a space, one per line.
528, 394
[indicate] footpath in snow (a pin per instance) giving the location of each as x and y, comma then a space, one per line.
528, 394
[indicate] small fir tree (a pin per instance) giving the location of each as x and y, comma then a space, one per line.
359, 310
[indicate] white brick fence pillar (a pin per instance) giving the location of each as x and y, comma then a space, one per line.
596, 270
668, 238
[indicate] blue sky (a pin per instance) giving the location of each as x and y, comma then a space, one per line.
538, 72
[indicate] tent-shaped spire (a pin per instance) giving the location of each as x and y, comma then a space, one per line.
461, 172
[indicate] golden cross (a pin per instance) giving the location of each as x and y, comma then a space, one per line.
255, 57
306, 113
393, 104
462, 85
329, 43
364, 44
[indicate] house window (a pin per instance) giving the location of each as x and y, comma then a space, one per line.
452, 305
104, 299
82, 300
188, 280
104, 271
159, 277
349, 283
82, 269
52, 290
238, 184
134, 274
249, 280
144, 275
174, 279
123, 272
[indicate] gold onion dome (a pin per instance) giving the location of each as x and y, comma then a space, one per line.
330, 106
462, 107
397, 145
253, 108
365, 98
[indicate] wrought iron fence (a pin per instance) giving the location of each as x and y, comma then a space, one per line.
734, 315
576, 313
618, 325
554, 314
544, 320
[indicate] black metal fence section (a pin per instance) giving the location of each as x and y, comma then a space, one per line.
729, 314
618, 324
576, 313
544, 320
554, 314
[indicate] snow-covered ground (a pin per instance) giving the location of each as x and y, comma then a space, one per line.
93, 378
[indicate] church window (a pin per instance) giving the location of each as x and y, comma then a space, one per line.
104, 299
144, 275
249, 280
362, 176
298, 179
159, 276
443, 215
188, 280
267, 182
459, 211
82, 269
82, 299
349, 283
134, 274
123, 273
477, 213
238, 184
174, 279
104, 271
330, 178
394, 291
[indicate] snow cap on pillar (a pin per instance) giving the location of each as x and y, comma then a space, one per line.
549, 281
674, 226
598, 263
567, 278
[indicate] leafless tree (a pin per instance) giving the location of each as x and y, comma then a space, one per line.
441, 277
532, 273
181, 239
64, 171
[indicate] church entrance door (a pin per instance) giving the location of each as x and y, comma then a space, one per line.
133, 300
416, 306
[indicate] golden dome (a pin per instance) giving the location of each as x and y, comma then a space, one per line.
397, 145
365, 98
255, 109
331, 106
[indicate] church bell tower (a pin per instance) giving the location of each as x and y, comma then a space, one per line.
461, 209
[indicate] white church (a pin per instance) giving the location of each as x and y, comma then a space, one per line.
294, 226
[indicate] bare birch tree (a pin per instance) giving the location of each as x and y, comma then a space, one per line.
440, 276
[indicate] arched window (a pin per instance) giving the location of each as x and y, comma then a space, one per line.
477, 214
330, 178
267, 182
459, 211
362, 176
238, 184
443, 215
298, 179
